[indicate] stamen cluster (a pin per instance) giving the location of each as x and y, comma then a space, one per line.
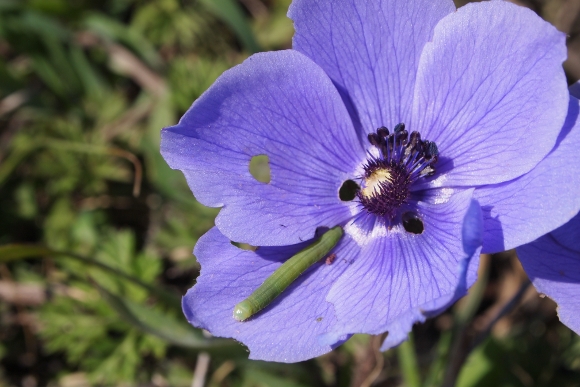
387, 179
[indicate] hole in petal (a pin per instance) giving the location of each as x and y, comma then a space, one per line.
348, 190
244, 246
260, 168
412, 223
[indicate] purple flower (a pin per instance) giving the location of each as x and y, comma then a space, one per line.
553, 261
483, 100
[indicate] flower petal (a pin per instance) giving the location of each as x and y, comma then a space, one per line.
288, 329
399, 329
282, 105
491, 92
526, 208
398, 277
370, 49
552, 264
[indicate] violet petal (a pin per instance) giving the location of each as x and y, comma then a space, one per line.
522, 210
285, 331
494, 110
280, 104
399, 274
552, 264
370, 50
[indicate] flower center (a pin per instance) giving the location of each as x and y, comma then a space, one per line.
388, 178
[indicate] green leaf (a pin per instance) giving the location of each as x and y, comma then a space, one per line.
112, 29
121, 365
13, 252
6, 5
160, 325
49, 75
232, 14
92, 83
15, 157
476, 368
408, 360
44, 26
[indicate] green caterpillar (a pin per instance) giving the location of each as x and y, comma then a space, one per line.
276, 283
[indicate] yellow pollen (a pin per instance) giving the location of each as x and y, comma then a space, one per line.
374, 181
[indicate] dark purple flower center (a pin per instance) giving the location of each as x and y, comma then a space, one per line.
387, 179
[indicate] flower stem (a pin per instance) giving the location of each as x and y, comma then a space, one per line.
508, 307
463, 316
408, 360
451, 341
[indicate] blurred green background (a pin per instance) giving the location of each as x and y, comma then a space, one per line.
96, 232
